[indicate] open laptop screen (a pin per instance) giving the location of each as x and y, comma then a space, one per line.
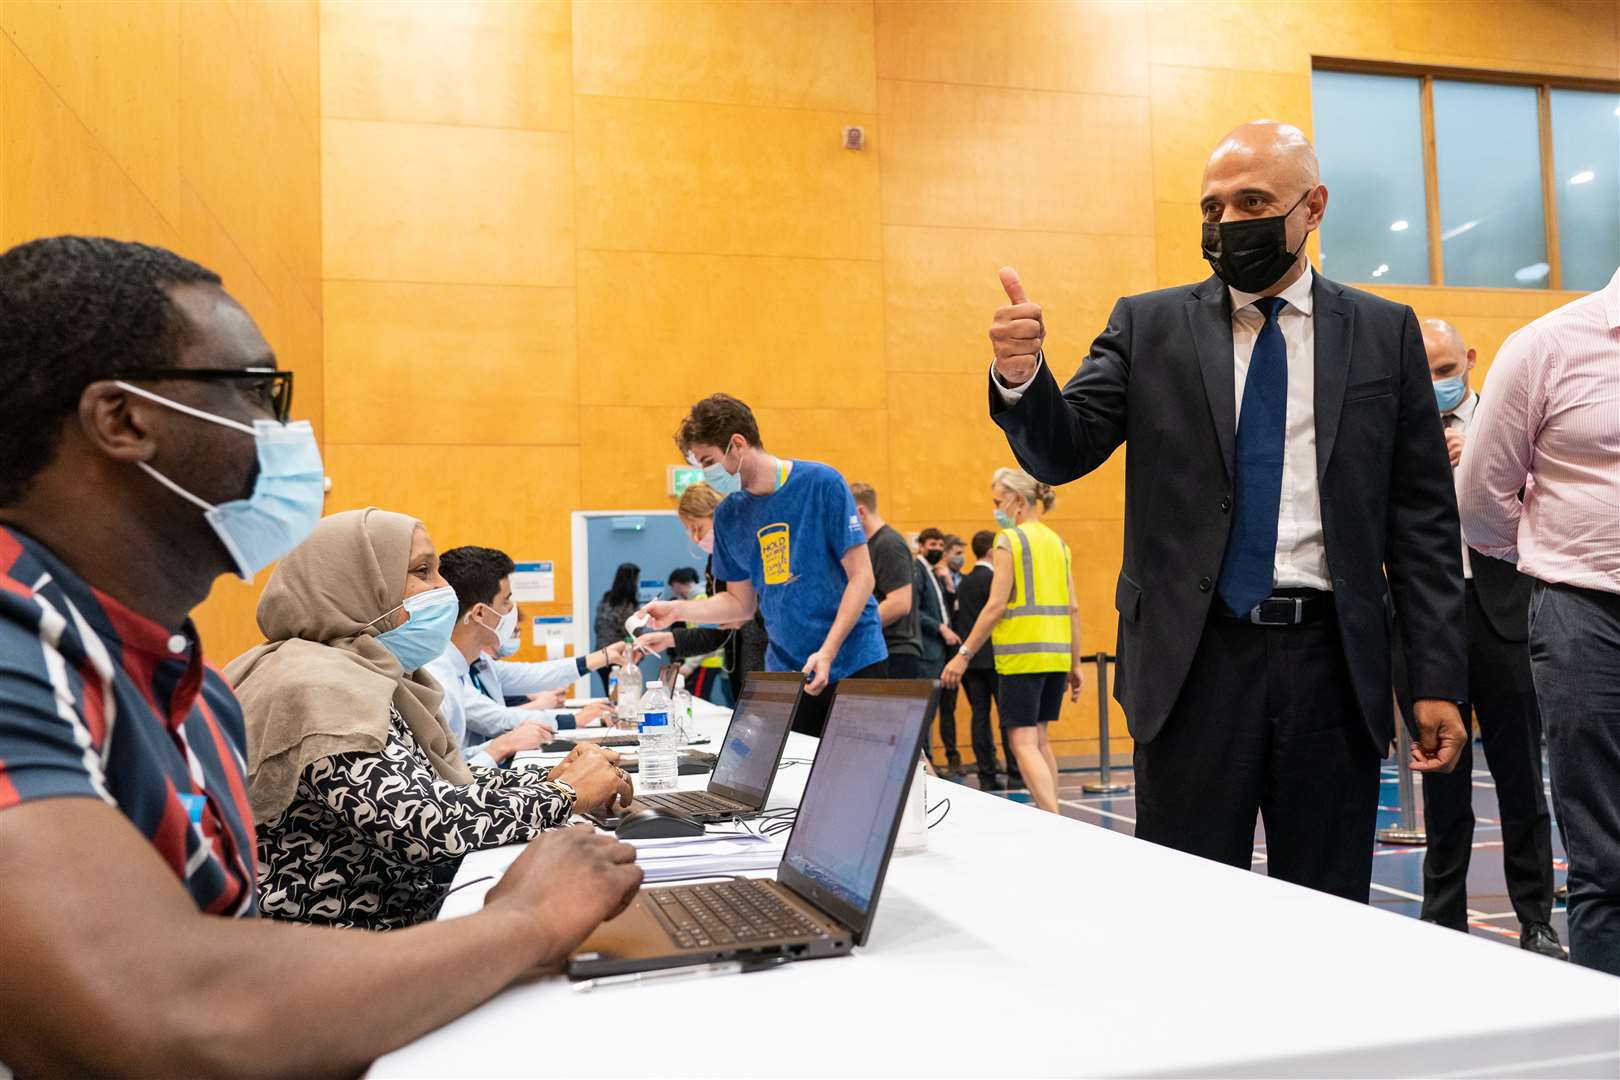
851, 808
759, 727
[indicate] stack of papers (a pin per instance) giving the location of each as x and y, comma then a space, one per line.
669, 858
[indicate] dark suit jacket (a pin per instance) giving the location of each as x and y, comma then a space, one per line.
929, 611
1161, 376
971, 595
1504, 595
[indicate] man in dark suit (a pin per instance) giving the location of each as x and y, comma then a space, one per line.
979, 680
1503, 696
1286, 497
930, 585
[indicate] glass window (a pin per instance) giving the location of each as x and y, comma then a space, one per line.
1586, 176
1488, 160
1369, 138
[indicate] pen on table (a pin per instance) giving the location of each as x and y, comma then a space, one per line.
696, 971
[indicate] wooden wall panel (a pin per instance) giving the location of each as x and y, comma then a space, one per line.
723, 179
487, 63
801, 54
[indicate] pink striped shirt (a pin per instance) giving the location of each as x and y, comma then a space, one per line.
1549, 421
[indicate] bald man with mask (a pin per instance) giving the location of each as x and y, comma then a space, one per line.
1502, 694
1289, 519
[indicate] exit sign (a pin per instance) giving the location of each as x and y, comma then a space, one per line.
682, 477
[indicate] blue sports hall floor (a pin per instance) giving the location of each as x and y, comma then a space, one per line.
1397, 870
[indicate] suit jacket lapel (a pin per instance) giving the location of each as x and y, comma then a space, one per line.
1210, 319
1335, 332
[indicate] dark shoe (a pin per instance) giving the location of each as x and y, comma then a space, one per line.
990, 782
1541, 938
1015, 782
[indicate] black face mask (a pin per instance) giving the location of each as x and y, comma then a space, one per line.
1251, 255
933, 557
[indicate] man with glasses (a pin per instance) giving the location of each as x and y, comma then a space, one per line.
143, 453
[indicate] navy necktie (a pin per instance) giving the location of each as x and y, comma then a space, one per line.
1246, 572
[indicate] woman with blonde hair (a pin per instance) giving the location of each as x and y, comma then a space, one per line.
1034, 624
363, 801
743, 646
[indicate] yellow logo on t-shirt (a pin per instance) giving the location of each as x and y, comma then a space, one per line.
774, 554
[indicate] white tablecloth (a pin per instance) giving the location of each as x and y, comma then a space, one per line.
1026, 944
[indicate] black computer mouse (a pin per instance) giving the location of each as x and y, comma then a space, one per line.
650, 823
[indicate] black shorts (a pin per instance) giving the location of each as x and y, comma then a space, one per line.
1027, 700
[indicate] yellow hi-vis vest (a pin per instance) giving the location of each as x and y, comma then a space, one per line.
1035, 634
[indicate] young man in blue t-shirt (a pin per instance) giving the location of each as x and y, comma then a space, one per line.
787, 542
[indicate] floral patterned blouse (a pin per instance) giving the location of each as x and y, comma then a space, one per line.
372, 840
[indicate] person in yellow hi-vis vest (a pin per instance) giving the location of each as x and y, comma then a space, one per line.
1033, 623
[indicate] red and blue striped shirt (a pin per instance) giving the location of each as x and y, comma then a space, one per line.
99, 702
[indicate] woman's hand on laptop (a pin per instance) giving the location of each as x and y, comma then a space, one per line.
594, 774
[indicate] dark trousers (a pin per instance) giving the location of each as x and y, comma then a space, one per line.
1503, 696
1266, 723
947, 722
979, 684
1575, 657
811, 716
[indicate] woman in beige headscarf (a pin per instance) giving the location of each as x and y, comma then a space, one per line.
363, 802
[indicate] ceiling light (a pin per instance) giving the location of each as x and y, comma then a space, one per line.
1585, 176
1400, 226
1534, 272
1459, 230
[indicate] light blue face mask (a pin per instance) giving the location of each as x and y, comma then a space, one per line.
1004, 519
426, 634
725, 483
1449, 393
510, 645
288, 492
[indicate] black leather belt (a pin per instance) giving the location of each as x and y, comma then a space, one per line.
1293, 609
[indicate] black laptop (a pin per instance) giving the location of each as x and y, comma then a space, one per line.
826, 888
749, 755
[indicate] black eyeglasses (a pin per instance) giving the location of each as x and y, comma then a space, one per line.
266, 388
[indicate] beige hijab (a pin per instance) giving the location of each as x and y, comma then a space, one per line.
322, 683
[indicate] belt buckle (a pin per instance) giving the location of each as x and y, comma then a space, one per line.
1258, 617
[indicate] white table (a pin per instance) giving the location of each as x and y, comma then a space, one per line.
1024, 944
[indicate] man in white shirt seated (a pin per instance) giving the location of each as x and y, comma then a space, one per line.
476, 683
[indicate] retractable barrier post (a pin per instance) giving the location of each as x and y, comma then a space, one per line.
1407, 831
1104, 784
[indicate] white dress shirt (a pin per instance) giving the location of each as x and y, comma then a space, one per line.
1457, 420
488, 715
1300, 561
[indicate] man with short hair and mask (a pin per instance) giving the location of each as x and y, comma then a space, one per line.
787, 543
1502, 693
129, 869
1289, 519
477, 678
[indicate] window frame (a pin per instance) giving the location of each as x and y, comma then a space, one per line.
1426, 74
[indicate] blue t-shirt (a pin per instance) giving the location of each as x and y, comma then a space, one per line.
791, 544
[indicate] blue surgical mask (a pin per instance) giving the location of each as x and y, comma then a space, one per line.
1449, 393
725, 483
1004, 519
510, 645
288, 492
426, 634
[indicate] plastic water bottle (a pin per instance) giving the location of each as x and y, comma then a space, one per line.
659, 741
630, 684
681, 704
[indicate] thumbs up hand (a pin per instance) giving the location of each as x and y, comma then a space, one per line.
1016, 332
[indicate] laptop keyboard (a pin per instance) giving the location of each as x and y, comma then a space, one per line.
692, 802
727, 913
